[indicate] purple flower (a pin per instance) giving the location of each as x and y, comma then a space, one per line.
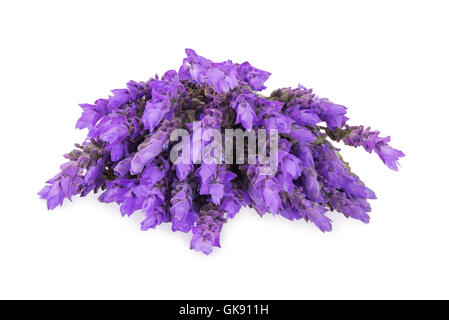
302, 135
270, 194
389, 156
182, 213
194, 67
311, 185
93, 173
114, 134
370, 140
123, 167
154, 113
304, 117
217, 192
207, 172
145, 155
88, 119
289, 164
153, 219
223, 76
160, 107
244, 107
278, 122
65, 184
117, 150
306, 157
333, 114
231, 205
253, 76
120, 97
136, 90
150, 149
155, 171
183, 170
54, 195
316, 215
206, 233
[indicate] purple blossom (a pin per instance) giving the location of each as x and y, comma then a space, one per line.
223, 76
333, 114
120, 97
370, 141
206, 233
253, 76
216, 192
244, 106
154, 113
389, 156
231, 205
270, 194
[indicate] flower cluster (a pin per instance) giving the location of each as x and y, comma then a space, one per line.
126, 154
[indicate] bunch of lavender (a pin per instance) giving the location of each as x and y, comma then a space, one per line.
127, 151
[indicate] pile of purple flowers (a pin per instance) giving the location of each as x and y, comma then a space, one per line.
126, 154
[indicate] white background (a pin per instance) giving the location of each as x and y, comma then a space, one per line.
387, 61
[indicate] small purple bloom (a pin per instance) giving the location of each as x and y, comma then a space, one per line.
217, 192
245, 111
333, 114
253, 76
145, 155
271, 196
